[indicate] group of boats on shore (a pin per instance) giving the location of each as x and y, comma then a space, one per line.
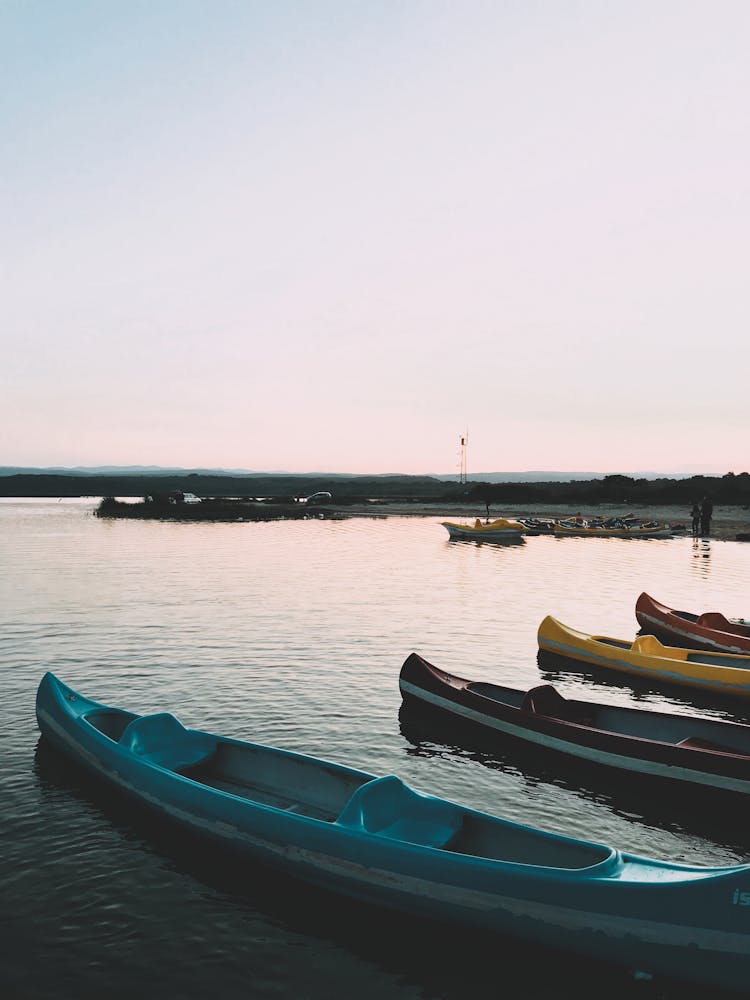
375, 839
514, 529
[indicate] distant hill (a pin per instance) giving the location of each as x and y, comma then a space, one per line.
39, 483
125, 470
158, 470
477, 477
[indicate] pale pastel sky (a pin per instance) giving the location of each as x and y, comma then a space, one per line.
333, 235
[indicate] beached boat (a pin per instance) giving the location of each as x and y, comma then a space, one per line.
502, 529
377, 840
710, 630
647, 658
616, 527
537, 525
693, 752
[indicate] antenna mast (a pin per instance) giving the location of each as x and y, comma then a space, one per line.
462, 471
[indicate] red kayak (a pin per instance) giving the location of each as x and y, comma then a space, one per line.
710, 630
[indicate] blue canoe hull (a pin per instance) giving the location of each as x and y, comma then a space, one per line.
376, 840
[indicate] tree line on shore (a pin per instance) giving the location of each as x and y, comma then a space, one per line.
730, 489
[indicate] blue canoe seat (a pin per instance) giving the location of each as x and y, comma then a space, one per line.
389, 808
164, 740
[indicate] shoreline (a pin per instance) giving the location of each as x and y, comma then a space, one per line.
726, 523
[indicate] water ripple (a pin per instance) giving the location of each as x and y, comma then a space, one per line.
293, 633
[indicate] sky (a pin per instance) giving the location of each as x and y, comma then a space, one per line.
337, 235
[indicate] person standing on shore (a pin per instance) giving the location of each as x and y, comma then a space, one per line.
707, 510
695, 514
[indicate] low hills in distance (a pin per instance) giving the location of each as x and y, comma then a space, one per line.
484, 477
480, 488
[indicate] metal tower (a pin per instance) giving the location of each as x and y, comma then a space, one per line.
462, 472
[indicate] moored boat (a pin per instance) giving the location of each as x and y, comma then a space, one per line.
537, 525
646, 657
690, 752
500, 530
710, 630
377, 840
612, 528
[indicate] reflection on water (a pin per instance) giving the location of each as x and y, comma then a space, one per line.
701, 562
293, 634
497, 542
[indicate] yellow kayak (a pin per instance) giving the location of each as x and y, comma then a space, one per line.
501, 529
646, 657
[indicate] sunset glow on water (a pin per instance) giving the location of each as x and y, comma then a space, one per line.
293, 634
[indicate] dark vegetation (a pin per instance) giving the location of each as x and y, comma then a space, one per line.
345, 489
171, 506
731, 489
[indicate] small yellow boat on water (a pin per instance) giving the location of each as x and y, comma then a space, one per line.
502, 529
646, 657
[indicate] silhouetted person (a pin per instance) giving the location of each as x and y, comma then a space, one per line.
695, 514
707, 510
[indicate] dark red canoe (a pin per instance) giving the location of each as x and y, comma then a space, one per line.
710, 630
693, 751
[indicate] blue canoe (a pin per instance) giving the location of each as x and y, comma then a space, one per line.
377, 840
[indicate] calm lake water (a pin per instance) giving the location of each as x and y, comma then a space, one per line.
293, 633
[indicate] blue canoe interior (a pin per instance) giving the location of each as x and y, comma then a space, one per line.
308, 787
377, 840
